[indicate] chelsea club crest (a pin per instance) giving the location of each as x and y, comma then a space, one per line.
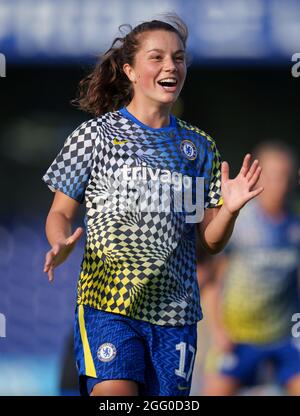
106, 352
188, 148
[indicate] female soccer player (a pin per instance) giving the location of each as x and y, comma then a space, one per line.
261, 263
138, 300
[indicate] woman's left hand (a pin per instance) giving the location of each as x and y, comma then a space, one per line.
238, 191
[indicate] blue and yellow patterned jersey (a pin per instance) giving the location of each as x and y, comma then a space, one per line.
137, 262
261, 292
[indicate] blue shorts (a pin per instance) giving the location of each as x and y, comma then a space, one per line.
246, 360
110, 346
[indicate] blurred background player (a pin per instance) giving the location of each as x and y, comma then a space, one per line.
250, 302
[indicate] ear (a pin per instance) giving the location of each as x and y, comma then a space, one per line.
129, 71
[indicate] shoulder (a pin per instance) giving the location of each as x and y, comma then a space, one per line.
198, 133
86, 129
89, 129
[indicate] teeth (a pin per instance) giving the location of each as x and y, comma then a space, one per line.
168, 80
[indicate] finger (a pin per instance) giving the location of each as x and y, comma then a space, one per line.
253, 181
75, 236
48, 266
225, 171
255, 192
51, 274
49, 258
246, 163
252, 169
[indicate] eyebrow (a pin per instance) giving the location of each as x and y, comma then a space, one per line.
160, 50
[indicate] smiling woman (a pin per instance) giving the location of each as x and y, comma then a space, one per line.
138, 298
133, 62
158, 75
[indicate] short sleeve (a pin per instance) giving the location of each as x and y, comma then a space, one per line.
70, 170
212, 169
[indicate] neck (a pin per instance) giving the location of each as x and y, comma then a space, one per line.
151, 115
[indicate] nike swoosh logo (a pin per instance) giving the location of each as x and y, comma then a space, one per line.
182, 387
116, 141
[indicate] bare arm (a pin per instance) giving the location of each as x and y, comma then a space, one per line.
217, 225
59, 231
216, 229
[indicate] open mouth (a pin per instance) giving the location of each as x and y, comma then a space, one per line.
168, 82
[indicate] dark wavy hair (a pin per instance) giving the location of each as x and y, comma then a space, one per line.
107, 87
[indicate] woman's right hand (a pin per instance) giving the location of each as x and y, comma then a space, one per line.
60, 252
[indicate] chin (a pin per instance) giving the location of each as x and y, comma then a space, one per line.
168, 100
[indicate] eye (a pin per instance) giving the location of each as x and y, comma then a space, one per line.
179, 58
156, 57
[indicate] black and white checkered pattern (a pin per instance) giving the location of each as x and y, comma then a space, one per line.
138, 263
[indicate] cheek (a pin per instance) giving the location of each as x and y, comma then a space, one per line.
183, 71
147, 76
182, 77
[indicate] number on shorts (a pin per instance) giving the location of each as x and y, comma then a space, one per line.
180, 371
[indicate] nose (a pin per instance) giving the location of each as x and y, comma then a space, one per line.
170, 64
